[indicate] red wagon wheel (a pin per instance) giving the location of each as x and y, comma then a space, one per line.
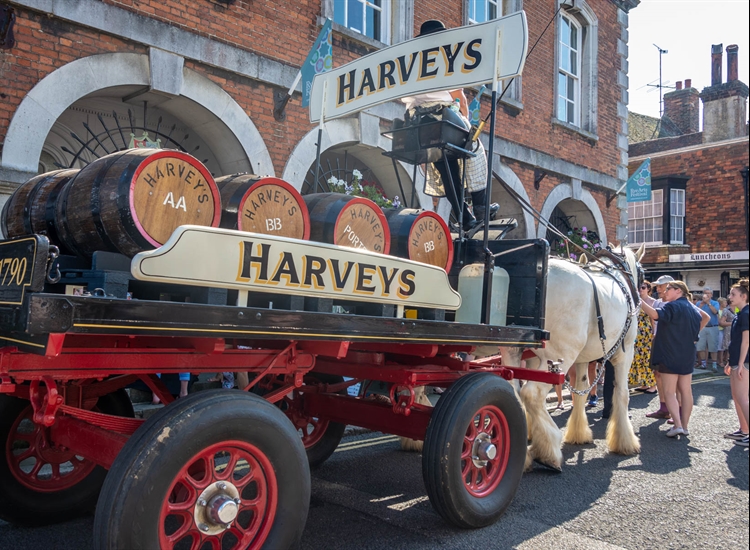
474, 450
42, 482
219, 469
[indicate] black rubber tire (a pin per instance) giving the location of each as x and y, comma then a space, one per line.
441, 456
21, 505
321, 451
127, 515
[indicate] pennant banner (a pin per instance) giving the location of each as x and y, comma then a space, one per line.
639, 184
319, 60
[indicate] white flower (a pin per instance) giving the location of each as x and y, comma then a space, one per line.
356, 174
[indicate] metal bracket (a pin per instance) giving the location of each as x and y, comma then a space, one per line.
45, 404
402, 402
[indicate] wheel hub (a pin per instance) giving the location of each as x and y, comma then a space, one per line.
217, 507
483, 450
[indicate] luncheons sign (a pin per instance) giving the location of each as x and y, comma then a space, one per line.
222, 258
450, 59
709, 256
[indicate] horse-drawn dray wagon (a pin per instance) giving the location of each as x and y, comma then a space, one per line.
148, 284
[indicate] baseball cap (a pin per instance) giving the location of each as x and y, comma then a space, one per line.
664, 279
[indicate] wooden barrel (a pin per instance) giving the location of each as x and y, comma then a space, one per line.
420, 235
344, 220
31, 207
133, 200
263, 205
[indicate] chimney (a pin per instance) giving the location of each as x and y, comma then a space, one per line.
688, 82
716, 54
724, 104
681, 107
732, 71
678, 85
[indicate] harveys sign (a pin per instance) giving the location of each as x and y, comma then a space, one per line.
450, 59
222, 258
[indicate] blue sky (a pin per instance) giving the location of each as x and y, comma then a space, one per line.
687, 29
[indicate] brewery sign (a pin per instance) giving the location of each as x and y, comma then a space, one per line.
446, 60
223, 258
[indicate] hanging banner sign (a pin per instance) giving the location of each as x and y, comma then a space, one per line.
223, 258
639, 184
446, 60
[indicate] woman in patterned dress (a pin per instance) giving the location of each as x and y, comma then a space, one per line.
640, 370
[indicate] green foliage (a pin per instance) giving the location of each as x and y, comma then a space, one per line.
583, 237
359, 188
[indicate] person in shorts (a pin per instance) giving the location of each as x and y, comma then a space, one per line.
708, 339
737, 368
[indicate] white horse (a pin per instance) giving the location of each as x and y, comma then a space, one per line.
574, 339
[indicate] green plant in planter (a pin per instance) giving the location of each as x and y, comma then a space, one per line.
360, 188
583, 237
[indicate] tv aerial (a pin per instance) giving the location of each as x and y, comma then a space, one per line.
661, 85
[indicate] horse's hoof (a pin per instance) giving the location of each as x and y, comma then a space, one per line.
547, 466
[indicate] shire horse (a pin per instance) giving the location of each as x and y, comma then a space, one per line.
575, 339
571, 319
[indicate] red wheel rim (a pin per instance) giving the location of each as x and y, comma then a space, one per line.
481, 477
310, 428
237, 464
39, 465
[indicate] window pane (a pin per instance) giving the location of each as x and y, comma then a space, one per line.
492, 9
481, 11
574, 62
339, 12
571, 88
573, 37
564, 58
561, 107
355, 16
648, 209
571, 113
373, 23
565, 31
473, 10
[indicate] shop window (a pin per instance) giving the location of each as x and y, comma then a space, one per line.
662, 219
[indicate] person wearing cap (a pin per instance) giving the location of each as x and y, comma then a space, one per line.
708, 341
475, 167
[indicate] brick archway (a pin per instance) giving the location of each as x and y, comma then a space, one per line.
243, 148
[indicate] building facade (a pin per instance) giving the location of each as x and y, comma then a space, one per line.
696, 225
82, 78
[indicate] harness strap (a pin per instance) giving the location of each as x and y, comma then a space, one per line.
599, 318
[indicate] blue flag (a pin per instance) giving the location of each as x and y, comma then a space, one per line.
475, 106
319, 60
639, 184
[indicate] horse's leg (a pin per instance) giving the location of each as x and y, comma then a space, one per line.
545, 435
621, 437
415, 445
577, 430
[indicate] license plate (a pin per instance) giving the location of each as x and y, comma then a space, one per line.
23, 263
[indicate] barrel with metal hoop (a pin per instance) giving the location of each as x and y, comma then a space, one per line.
133, 200
31, 207
263, 204
420, 235
346, 220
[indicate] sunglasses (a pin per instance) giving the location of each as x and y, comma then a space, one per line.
644, 287
671, 287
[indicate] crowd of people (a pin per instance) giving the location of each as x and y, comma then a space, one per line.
676, 335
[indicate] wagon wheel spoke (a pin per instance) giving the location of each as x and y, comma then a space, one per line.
229, 470
26, 454
35, 470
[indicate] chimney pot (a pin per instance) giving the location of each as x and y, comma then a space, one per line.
717, 51
732, 69
678, 85
688, 83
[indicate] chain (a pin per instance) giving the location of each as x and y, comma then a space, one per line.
632, 311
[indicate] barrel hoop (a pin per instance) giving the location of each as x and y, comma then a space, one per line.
96, 202
124, 200
188, 159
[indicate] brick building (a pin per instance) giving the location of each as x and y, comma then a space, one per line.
83, 75
696, 225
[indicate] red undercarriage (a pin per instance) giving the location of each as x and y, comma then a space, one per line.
65, 384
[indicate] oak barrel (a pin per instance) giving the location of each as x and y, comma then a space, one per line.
133, 200
420, 235
263, 204
31, 207
350, 221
